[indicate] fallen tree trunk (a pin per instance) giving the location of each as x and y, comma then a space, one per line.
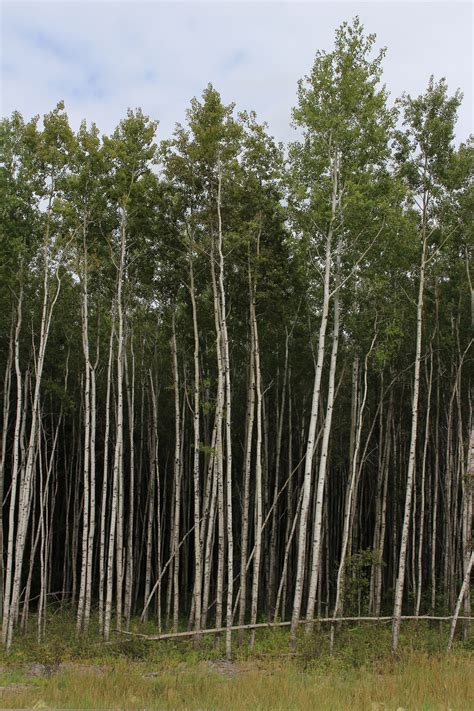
270, 625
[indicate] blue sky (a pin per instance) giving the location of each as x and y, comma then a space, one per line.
104, 56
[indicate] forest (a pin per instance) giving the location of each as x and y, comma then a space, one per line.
236, 375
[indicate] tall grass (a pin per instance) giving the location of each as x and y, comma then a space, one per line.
360, 674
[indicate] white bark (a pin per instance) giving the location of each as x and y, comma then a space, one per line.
115, 527
462, 593
129, 572
197, 591
397, 610
246, 493
86, 459
338, 606
19, 417
29, 467
322, 473
258, 477
422, 489
307, 481
177, 478
228, 421
105, 476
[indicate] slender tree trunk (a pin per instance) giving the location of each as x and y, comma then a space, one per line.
289, 505
322, 473
129, 574
247, 467
116, 522
228, 423
397, 610
422, 488
467, 528
177, 478
19, 418
3, 448
462, 593
258, 476
382, 522
338, 606
150, 509
197, 590
307, 482
25, 489
274, 529
86, 460
105, 475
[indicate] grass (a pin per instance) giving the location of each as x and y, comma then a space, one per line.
69, 672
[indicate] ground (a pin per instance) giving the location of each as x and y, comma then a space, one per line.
68, 672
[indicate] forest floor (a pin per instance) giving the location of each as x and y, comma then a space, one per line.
68, 672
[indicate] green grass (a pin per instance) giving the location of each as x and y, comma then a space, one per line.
69, 672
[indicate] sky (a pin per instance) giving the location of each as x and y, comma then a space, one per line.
103, 56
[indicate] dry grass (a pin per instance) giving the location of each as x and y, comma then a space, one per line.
417, 682
360, 675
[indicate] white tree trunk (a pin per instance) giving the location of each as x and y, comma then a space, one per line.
350, 492
115, 528
19, 417
258, 477
307, 481
397, 610
105, 475
462, 593
197, 591
322, 473
129, 572
86, 458
177, 478
246, 493
26, 483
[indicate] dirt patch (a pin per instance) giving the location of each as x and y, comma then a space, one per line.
41, 670
224, 667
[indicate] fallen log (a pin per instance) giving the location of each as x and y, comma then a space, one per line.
273, 625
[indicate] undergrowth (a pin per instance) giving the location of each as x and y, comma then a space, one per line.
70, 671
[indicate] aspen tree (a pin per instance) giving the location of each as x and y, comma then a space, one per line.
103, 556
429, 121
3, 446
197, 591
22, 182
322, 472
161, 453
130, 388
54, 145
87, 433
331, 160
177, 476
273, 537
114, 541
83, 205
15, 465
249, 425
351, 490
258, 472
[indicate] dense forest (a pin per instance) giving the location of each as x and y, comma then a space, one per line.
235, 375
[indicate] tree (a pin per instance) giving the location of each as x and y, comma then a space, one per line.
337, 170
426, 151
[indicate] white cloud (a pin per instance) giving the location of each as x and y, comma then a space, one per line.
102, 57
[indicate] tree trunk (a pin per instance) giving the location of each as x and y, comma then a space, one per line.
307, 481
397, 610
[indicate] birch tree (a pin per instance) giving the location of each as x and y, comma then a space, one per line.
425, 149
346, 125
